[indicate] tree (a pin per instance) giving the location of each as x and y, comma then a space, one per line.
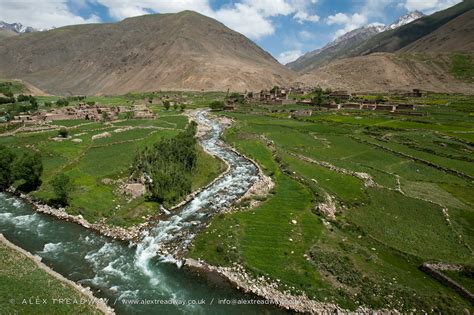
175, 106
182, 107
217, 105
34, 103
63, 132
105, 116
166, 104
62, 102
318, 98
6, 160
27, 168
62, 187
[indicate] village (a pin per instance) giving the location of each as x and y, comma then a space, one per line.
309, 97
332, 100
99, 112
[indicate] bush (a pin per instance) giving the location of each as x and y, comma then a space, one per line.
27, 169
62, 102
217, 105
62, 187
166, 104
6, 160
63, 132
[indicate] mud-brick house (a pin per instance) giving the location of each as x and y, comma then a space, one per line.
265, 96
282, 101
386, 107
350, 106
342, 95
23, 118
405, 107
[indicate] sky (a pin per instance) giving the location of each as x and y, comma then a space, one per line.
285, 28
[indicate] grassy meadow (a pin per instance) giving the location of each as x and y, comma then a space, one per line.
22, 282
99, 167
420, 208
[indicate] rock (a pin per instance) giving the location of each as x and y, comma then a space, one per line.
294, 222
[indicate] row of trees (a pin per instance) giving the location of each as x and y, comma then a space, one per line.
24, 169
167, 105
167, 166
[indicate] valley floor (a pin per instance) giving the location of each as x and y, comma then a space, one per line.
398, 193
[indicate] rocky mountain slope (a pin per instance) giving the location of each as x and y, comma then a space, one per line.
422, 54
344, 45
383, 72
162, 51
393, 40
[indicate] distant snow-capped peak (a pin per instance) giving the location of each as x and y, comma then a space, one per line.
405, 19
378, 27
17, 27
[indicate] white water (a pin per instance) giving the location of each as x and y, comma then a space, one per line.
116, 271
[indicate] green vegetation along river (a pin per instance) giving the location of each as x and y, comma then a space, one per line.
135, 279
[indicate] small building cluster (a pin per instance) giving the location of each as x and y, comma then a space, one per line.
84, 111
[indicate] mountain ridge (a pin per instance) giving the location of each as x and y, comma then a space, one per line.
344, 44
181, 51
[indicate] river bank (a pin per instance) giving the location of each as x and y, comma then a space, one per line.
83, 291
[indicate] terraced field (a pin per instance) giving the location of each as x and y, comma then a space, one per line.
99, 166
400, 188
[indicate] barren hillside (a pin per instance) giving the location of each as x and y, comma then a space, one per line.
162, 51
385, 71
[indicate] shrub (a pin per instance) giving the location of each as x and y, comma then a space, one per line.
27, 169
6, 159
63, 132
62, 187
217, 105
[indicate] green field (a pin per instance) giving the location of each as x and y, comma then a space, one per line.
98, 167
420, 209
22, 282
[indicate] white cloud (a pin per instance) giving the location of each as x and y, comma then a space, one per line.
244, 19
349, 22
289, 56
302, 17
252, 18
429, 6
305, 35
41, 14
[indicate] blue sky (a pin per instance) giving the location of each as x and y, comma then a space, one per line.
285, 28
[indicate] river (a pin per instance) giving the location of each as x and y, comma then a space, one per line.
125, 274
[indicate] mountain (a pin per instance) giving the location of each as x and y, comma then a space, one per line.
393, 40
344, 45
338, 48
452, 36
422, 54
185, 50
405, 19
16, 27
382, 72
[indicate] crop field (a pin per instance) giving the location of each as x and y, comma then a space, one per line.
401, 188
99, 167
